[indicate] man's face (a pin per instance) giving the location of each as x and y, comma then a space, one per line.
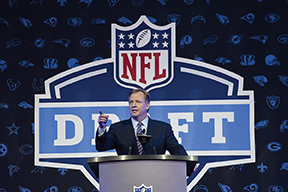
138, 106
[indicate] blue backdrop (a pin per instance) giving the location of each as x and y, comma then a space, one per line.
40, 39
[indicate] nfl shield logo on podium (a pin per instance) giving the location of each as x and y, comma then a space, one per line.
143, 188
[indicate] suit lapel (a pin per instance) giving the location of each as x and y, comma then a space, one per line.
150, 131
151, 128
129, 130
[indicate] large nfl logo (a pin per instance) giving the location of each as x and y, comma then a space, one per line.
143, 54
143, 188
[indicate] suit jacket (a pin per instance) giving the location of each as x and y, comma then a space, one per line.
121, 136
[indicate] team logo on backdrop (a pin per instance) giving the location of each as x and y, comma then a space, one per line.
142, 54
215, 121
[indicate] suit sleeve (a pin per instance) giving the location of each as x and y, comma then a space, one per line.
172, 144
106, 141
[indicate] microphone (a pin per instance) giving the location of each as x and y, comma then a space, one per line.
130, 147
144, 139
154, 148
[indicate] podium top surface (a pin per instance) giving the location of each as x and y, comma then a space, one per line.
143, 157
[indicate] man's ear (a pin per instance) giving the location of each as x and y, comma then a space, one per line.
147, 106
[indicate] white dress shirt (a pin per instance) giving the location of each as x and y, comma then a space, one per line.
143, 127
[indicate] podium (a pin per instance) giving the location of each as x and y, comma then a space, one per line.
137, 173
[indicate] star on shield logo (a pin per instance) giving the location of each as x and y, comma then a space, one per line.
143, 54
143, 188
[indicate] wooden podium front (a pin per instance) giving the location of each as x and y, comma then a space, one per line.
133, 173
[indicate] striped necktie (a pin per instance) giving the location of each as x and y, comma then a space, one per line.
139, 145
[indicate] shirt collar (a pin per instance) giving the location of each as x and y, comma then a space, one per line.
144, 122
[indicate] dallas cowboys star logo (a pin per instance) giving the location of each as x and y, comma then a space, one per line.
13, 129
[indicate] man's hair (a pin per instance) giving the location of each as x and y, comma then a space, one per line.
146, 94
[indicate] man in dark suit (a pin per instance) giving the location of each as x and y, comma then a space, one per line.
122, 136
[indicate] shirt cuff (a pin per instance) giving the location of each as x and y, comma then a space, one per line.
101, 131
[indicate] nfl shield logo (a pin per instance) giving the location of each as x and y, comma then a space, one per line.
143, 188
143, 54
